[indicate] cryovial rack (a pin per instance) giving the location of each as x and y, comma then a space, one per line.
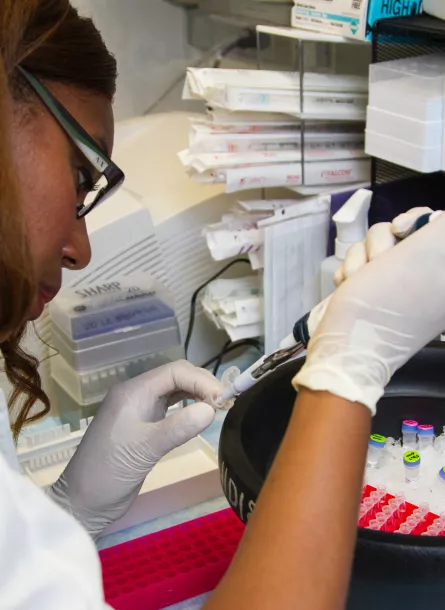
387, 513
172, 565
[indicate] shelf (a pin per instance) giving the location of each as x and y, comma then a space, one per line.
422, 24
247, 13
304, 35
310, 191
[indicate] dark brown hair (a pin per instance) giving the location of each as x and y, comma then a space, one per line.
51, 40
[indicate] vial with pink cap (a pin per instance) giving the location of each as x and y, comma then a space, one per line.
425, 433
409, 433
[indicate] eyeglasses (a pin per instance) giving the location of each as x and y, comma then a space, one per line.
111, 176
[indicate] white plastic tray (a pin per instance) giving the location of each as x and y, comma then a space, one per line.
185, 477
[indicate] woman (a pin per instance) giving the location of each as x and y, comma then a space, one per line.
52, 62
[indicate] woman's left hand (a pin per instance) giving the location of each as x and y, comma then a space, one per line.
128, 436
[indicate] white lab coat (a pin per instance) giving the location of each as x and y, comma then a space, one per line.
47, 560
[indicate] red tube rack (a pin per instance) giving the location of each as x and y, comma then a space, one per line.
396, 519
172, 565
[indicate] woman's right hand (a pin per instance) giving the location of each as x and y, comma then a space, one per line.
378, 319
380, 238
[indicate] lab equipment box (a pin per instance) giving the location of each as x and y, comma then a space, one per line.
349, 18
123, 303
411, 87
107, 349
91, 386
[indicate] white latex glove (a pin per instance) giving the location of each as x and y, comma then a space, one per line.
128, 436
380, 238
379, 318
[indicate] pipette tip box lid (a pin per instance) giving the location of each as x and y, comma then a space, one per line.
123, 303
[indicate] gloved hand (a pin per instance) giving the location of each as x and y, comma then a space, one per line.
380, 238
128, 436
379, 318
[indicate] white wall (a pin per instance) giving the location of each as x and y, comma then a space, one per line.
149, 40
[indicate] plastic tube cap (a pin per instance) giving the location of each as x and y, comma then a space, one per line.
425, 430
409, 425
411, 459
377, 440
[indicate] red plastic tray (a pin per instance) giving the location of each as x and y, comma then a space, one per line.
394, 524
172, 565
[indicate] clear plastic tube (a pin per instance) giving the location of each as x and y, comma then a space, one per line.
401, 501
405, 529
425, 435
374, 524
424, 507
409, 433
381, 489
387, 511
376, 449
381, 519
411, 462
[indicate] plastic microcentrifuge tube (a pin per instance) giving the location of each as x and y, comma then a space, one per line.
376, 446
374, 524
424, 508
368, 503
400, 497
409, 433
387, 511
411, 461
227, 381
425, 432
405, 529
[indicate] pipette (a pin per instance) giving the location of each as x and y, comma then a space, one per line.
292, 347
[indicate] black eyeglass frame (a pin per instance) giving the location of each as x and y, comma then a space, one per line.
83, 141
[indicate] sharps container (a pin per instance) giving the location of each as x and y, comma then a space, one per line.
411, 461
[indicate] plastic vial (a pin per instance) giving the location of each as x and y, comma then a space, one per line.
409, 433
411, 461
424, 509
425, 433
376, 447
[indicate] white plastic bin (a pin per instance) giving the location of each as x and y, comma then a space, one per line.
412, 87
400, 152
412, 131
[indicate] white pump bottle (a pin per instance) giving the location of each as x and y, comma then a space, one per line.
352, 224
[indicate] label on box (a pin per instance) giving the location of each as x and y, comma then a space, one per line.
350, 18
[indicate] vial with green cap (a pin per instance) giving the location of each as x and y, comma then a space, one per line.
411, 461
376, 448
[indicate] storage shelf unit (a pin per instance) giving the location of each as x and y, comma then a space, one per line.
326, 62
397, 189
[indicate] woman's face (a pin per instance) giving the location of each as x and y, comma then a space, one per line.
52, 177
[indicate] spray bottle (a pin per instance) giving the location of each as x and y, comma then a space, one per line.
352, 224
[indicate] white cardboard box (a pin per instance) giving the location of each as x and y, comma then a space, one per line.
350, 18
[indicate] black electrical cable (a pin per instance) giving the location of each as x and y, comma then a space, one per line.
195, 297
246, 41
230, 347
